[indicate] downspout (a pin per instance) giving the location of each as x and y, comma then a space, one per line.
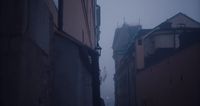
129, 92
95, 78
60, 15
174, 37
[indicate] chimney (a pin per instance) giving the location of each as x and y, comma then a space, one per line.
139, 54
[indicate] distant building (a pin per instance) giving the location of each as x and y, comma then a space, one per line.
49, 53
161, 66
123, 39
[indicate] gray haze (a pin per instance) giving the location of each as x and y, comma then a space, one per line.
149, 12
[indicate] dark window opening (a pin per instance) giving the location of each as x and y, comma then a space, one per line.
181, 25
181, 78
83, 36
140, 42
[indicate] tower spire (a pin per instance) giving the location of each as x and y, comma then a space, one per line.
139, 21
124, 20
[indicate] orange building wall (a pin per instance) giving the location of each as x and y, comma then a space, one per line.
174, 81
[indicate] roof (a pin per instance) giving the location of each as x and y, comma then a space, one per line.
142, 32
167, 22
180, 13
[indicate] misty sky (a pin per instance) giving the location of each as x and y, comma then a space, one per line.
149, 12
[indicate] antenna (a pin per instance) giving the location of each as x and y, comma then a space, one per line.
139, 21
117, 24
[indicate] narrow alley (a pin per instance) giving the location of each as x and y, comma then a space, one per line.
99, 53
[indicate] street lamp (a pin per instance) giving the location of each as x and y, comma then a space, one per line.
98, 49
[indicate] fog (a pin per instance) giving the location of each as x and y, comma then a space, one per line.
148, 13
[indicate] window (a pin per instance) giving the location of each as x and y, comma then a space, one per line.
140, 42
83, 36
181, 25
98, 12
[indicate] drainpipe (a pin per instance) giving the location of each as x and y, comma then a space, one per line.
60, 15
95, 79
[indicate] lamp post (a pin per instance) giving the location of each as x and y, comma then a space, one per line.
98, 49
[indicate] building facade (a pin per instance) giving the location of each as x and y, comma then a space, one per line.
49, 53
161, 65
123, 57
